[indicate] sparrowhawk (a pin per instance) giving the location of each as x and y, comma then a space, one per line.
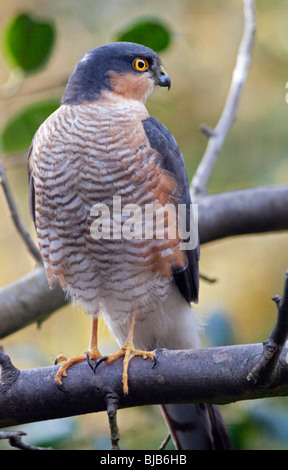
102, 144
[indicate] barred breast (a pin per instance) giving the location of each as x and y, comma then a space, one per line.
82, 156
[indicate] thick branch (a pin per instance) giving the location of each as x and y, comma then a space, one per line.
247, 211
27, 301
218, 135
211, 375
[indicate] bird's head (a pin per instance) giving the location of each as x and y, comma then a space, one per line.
124, 68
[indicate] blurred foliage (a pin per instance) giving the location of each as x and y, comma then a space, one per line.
28, 42
192, 38
149, 32
24, 125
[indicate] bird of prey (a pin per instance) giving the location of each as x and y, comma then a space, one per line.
101, 145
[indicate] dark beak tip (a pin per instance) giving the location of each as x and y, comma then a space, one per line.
164, 81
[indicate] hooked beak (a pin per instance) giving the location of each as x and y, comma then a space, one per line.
164, 79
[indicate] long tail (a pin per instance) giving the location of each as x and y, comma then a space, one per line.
196, 427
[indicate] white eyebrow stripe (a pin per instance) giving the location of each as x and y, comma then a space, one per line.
85, 57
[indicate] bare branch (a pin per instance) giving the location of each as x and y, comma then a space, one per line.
15, 440
28, 300
19, 85
164, 442
112, 402
32, 248
247, 211
218, 135
265, 369
209, 375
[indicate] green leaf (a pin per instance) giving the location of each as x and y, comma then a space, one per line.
28, 42
20, 129
149, 32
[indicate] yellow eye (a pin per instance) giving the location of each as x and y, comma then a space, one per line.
140, 64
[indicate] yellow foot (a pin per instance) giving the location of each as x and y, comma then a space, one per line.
128, 352
87, 356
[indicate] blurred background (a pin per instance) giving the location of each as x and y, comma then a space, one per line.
40, 42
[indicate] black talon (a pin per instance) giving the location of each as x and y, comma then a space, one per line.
87, 355
56, 361
94, 366
104, 358
155, 362
60, 387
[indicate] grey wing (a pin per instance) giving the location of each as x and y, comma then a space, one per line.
161, 140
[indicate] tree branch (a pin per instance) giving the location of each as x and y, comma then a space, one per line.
218, 135
28, 300
265, 370
18, 85
210, 375
15, 440
247, 211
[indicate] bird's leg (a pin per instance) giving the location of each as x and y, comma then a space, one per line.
92, 353
128, 352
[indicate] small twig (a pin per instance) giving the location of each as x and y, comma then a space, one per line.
33, 250
18, 85
207, 130
265, 369
270, 351
14, 438
217, 137
112, 402
165, 442
208, 279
